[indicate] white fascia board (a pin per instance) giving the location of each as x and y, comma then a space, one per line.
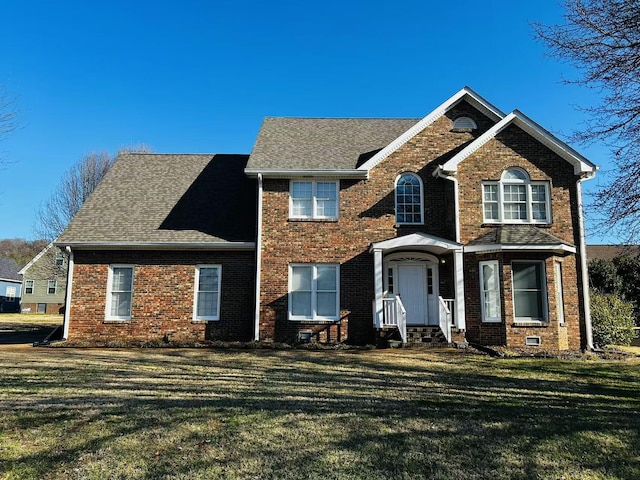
23, 270
11, 280
465, 94
581, 165
416, 240
279, 173
559, 248
159, 245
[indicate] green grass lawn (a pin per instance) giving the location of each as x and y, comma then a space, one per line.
189, 414
30, 319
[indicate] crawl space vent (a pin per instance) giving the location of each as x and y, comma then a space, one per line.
532, 341
304, 336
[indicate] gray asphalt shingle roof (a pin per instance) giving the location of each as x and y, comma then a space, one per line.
517, 235
286, 143
169, 199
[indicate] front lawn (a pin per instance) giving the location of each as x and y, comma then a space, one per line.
189, 414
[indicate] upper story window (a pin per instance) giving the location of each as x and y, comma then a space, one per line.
313, 199
59, 259
52, 287
28, 287
409, 199
516, 199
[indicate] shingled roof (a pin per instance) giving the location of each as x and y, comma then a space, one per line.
528, 236
286, 143
168, 199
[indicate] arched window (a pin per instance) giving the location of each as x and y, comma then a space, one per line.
464, 124
409, 199
516, 199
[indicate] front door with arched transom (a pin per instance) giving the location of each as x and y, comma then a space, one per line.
414, 278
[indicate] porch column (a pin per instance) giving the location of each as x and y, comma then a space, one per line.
378, 287
459, 280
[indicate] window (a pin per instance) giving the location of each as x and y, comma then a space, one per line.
41, 308
120, 292
51, 287
559, 293
516, 199
10, 294
490, 291
207, 298
313, 199
59, 259
28, 287
314, 292
409, 199
529, 291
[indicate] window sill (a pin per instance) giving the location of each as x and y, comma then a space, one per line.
529, 324
320, 220
313, 322
200, 320
116, 321
497, 224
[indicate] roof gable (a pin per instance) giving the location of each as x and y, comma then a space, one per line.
580, 164
466, 94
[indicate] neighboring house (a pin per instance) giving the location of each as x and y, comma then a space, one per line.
45, 281
609, 252
10, 286
466, 224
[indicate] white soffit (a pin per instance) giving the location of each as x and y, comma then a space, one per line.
465, 94
417, 240
580, 163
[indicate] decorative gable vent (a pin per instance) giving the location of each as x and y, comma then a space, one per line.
532, 341
464, 124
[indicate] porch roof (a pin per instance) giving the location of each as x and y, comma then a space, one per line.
417, 241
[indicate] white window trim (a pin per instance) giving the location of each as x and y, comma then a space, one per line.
544, 289
59, 259
314, 291
314, 199
529, 203
196, 284
55, 287
107, 312
26, 283
395, 198
10, 293
486, 319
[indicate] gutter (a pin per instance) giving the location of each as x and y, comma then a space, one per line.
158, 245
256, 320
280, 173
583, 262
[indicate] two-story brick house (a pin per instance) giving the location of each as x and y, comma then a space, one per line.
466, 223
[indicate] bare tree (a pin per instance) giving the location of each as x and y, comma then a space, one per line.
74, 188
601, 38
7, 114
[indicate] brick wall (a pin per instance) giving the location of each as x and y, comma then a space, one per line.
163, 294
367, 214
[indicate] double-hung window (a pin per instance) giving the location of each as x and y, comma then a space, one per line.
409, 199
10, 294
314, 292
313, 199
28, 287
490, 291
207, 296
52, 286
529, 291
119, 292
516, 199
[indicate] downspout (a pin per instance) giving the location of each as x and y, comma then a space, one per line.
458, 255
583, 262
67, 300
256, 332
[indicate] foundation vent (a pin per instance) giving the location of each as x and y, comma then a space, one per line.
532, 341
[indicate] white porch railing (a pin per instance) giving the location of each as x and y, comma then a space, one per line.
445, 316
395, 315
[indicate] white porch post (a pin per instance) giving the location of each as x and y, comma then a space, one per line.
458, 259
378, 286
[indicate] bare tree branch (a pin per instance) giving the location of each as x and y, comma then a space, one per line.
601, 38
75, 186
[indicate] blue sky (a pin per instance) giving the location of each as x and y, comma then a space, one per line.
199, 76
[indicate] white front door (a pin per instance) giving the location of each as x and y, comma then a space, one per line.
412, 283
